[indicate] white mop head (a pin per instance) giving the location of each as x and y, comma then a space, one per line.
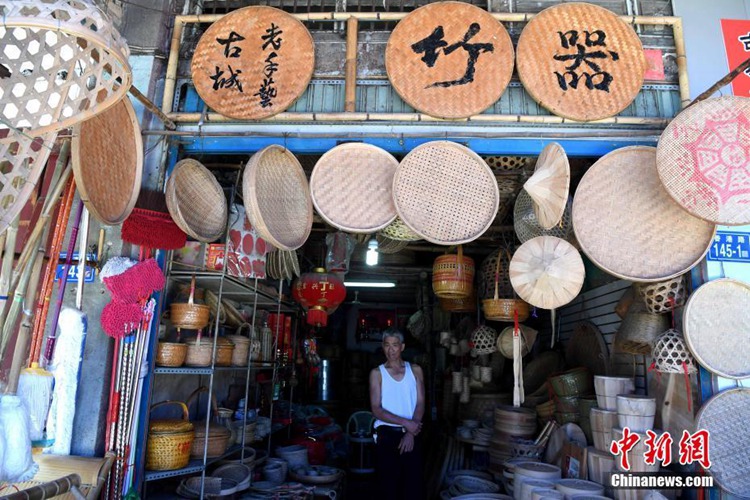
115, 266
35, 391
16, 464
64, 367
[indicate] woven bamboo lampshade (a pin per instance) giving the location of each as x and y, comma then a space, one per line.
627, 224
549, 185
449, 59
580, 61
547, 272
352, 187
107, 156
22, 160
703, 158
66, 63
253, 63
716, 326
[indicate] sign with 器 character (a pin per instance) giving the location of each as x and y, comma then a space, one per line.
253, 63
580, 61
449, 59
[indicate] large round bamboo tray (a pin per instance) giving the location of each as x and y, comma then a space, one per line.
627, 224
716, 326
546, 58
66, 61
457, 186
428, 72
169, 441
527, 226
352, 187
196, 201
253, 63
549, 185
107, 157
703, 160
547, 272
277, 198
725, 417
22, 160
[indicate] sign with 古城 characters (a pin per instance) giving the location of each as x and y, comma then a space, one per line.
729, 246
449, 59
253, 63
580, 61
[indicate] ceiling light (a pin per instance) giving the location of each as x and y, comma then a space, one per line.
370, 284
372, 253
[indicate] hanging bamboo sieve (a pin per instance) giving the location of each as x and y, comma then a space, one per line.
171, 354
497, 309
169, 441
189, 315
453, 275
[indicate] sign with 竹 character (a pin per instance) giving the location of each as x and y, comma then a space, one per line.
580, 61
449, 59
253, 63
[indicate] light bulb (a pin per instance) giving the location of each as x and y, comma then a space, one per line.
372, 253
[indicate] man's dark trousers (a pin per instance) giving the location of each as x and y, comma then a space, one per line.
399, 476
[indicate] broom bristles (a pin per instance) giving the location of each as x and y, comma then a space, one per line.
35, 390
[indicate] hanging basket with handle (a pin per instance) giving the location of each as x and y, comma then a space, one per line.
453, 275
497, 309
189, 315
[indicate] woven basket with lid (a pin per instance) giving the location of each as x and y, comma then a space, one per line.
169, 440
453, 276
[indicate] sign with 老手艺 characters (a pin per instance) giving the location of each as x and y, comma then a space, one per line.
253, 63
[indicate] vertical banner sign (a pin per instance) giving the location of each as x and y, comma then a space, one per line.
737, 44
253, 63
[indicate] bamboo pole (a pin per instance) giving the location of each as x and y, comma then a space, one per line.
6, 270
352, 33
47, 490
169, 124
681, 58
170, 80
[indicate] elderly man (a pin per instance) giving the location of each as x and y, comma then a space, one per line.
397, 401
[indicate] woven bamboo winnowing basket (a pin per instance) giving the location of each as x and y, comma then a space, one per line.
702, 160
169, 441
66, 63
352, 187
627, 224
171, 354
196, 201
253, 63
277, 198
453, 275
112, 138
455, 183
664, 296
544, 58
189, 315
497, 309
218, 435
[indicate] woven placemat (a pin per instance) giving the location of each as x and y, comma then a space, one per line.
725, 417
449, 59
704, 160
277, 197
196, 201
527, 226
717, 327
253, 63
629, 226
445, 193
580, 61
352, 187
107, 155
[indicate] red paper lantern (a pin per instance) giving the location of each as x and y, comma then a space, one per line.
320, 293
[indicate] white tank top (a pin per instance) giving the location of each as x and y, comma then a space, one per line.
398, 397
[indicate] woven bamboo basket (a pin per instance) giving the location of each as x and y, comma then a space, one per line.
506, 163
639, 330
200, 351
189, 315
488, 270
671, 354
399, 231
241, 351
575, 382
483, 338
218, 435
453, 276
169, 441
389, 246
171, 354
664, 296
459, 305
497, 309
527, 225
505, 340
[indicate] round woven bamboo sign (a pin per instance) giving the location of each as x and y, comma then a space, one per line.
107, 154
253, 63
704, 160
445, 193
580, 61
627, 224
717, 327
196, 201
547, 272
449, 59
352, 187
725, 417
277, 198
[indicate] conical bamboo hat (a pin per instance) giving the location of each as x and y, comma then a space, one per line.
547, 272
549, 185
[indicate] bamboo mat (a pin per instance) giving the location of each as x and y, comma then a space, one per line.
52, 467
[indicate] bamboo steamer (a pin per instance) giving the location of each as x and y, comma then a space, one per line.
171, 354
453, 276
636, 412
572, 488
602, 420
169, 440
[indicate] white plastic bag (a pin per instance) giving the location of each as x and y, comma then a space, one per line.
14, 435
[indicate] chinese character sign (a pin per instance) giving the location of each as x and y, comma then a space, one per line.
449, 59
655, 450
253, 63
581, 61
737, 45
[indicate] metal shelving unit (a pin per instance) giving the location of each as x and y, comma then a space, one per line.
187, 370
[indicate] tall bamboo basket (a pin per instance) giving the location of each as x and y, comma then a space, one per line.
453, 275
